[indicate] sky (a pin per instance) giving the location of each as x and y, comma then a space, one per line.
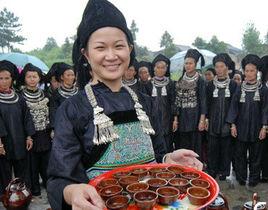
183, 19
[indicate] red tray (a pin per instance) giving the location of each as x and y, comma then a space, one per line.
214, 187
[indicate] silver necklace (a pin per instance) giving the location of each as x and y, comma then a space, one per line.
104, 131
221, 85
9, 98
67, 92
160, 83
129, 82
191, 79
33, 97
245, 87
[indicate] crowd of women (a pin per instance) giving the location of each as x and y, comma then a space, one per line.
222, 115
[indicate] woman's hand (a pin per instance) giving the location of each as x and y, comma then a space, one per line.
201, 125
206, 124
262, 134
2, 150
83, 197
233, 131
184, 157
29, 144
175, 126
52, 134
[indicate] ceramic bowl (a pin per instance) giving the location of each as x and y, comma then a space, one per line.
167, 195
198, 195
145, 199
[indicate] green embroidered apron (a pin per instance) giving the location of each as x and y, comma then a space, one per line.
132, 147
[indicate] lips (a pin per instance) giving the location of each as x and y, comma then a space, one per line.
113, 67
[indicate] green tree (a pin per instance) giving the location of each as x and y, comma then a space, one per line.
251, 42
66, 49
216, 46
200, 43
168, 45
266, 38
134, 29
50, 44
142, 53
9, 30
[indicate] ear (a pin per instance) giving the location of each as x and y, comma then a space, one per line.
84, 53
131, 47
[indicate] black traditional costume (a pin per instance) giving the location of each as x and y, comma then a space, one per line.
190, 104
17, 124
97, 129
162, 91
38, 104
219, 95
248, 112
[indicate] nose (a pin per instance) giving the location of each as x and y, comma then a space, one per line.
111, 55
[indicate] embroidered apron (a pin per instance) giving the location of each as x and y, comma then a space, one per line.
132, 147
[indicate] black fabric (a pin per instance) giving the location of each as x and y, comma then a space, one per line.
97, 14
217, 109
60, 69
251, 59
161, 57
39, 164
212, 70
42, 140
191, 141
250, 116
51, 72
188, 118
219, 155
196, 55
5, 174
10, 67
141, 87
74, 132
146, 64
30, 67
225, 58
264, 165
18, 122
254, 149
264, 68
55, 101
163, 105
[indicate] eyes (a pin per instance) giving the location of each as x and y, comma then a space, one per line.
104, 47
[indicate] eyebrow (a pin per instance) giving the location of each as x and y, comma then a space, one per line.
100, 42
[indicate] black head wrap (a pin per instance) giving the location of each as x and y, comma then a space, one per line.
161, 57
11, 68
30, 67
196, 55
264, 68
212, 70
97, 14
251, 59
60, 68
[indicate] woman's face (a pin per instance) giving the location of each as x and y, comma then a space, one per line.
250, 72
221, 69
209, 76
68, 77
237, 78
32, 79
160, 69
189, 65
108, 54
144, 74
5, 80
54, 83
130, 73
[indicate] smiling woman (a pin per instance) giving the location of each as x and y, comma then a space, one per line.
106, 125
